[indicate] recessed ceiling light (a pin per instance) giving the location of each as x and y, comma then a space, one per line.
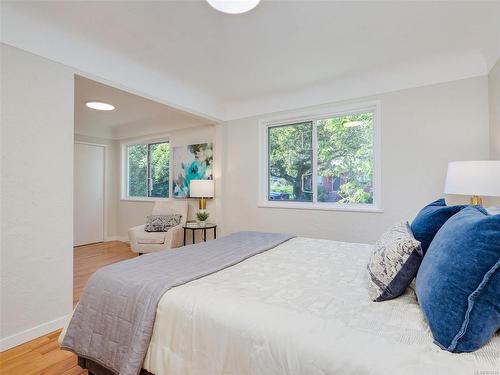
233, 6
100, 106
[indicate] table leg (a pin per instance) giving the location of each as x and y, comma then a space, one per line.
184, 236
205, 234
193, 234
215, 233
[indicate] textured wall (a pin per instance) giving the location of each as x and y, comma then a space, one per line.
37, 194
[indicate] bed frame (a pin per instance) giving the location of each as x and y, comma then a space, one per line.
96, 369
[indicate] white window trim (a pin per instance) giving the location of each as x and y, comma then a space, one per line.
124, 169
314, 115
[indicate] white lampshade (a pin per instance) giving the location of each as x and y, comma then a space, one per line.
473, 178
201, 188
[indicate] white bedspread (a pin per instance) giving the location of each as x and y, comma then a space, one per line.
301, 308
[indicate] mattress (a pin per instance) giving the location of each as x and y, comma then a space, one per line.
300, 308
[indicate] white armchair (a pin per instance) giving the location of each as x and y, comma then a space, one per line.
148, 242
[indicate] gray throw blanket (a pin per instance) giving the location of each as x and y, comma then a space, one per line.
113, 322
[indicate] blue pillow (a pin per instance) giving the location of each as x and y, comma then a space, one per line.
458, 282
430, 219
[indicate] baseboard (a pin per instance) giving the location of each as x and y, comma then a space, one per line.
32, 333
117, 238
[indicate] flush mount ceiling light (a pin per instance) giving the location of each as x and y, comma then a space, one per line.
100, 106
233, 6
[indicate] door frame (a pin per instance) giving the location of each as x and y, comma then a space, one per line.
104, 188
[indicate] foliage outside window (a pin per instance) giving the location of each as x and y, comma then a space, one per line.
148, 170
338, 168
290, 162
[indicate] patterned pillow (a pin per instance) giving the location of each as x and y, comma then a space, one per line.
394, 263
161, 223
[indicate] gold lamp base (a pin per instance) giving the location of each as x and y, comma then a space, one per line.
476, 200
202, 204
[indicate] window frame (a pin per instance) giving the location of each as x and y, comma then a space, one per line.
125, 168
314, 116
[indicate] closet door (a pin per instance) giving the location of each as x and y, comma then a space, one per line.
88, 194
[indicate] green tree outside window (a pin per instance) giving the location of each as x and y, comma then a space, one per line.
148, 170
344, 160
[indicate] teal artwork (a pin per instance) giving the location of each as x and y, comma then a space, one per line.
192, 162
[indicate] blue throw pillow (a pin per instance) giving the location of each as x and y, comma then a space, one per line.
458, 283
430, 219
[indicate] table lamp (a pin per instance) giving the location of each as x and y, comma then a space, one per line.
474, 178
201, 189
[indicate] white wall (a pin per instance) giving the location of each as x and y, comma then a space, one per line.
37, 191
494, 99
422, 129
494, 104
132, 213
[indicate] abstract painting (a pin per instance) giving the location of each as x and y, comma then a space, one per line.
192, 162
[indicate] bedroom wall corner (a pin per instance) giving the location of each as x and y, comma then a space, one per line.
494, 113
37, 227
220, 159
494, 107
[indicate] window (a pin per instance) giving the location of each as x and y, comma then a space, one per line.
148, 170
290, 162
322, 161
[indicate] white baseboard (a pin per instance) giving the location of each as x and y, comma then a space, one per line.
117, 238
32, 333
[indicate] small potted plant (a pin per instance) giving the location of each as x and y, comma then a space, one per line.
202, 217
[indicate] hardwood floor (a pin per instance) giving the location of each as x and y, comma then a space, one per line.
42, 355
89, 258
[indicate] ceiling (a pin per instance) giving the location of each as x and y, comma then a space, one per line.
225, 66
133, 115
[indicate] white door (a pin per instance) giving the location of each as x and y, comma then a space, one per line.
89, 194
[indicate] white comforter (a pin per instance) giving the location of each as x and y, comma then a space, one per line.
301, 308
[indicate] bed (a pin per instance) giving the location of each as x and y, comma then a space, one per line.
299, 308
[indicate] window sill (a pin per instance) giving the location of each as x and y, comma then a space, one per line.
144, 199
321, 206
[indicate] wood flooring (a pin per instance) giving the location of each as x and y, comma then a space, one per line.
42, 355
